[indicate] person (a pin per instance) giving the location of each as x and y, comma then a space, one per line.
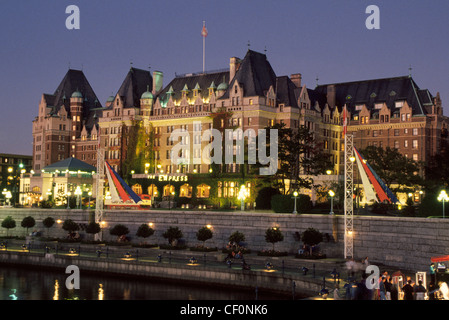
444, 290
366, 262
363, 293
432, 290
432, 273
350, 265
408, 290
388, 288
394, 291
382, 288
419, 291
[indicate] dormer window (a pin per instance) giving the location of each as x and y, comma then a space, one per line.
399, 104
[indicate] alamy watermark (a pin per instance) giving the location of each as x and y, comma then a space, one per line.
73, 20
73, 280
256, 147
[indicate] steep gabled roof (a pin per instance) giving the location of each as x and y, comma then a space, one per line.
74, 80
387, 90
202, 80
255, 75
135, 84
285, 91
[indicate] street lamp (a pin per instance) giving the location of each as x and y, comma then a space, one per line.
443, 197
90, 194
295, 196
242, 197
78, 194
68, 199
332, 194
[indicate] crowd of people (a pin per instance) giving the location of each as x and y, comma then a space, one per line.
359, 287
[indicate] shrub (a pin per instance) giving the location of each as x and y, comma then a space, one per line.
282, 203
119, 230
8, 223
204, 234
273, 235
236, 237
70, 226
144, 231
93, 228
286, 203
48, 223
263, 199
28, 222
172, 234
311, 237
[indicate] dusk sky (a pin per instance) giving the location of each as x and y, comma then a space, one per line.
324, 39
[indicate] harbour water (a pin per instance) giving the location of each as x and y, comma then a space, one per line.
29, 284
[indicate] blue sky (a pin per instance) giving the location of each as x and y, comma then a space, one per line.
323, 38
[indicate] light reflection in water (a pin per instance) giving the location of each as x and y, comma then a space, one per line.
30, 284
56, 295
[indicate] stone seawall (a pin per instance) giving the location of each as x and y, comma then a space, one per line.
406, 243
273, 282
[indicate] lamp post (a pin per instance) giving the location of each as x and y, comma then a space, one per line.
443, 197
242, 197
78, 193
68, 199
295, 196
332, 194
90, 194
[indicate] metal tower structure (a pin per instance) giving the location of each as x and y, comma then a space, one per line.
99, 189
349, 190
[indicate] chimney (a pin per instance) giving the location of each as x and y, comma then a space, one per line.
158, 77
331, 95
234, 67
296, 79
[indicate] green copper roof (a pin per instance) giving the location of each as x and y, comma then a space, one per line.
77, 94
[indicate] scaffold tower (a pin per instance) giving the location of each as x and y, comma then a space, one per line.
349, 191
99, 203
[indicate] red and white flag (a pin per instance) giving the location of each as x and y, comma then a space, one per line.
204, 30
345, 121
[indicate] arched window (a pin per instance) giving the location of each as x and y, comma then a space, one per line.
169, 190
185, 191
203, 191
36, 190
152, 191
137, 188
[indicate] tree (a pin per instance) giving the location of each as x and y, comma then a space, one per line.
93, 228
204, 234
311, 237
299, 158
48, 223
28, 222
393, 167
273, 235
70, 226
144, 231
8, 223
172, 234
139, 148
236, 237
119, 230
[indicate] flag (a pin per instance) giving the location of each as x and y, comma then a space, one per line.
345, 121
204, 30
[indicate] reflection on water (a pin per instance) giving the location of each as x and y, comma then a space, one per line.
29, 284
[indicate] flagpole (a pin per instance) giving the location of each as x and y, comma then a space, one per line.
204, 48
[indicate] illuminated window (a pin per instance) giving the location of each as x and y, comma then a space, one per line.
137, 188
185, 191
203, 191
